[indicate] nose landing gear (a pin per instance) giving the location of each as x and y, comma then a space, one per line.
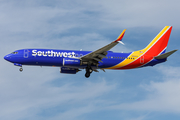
21, 69
19, 65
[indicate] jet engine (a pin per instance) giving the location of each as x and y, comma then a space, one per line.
69, 70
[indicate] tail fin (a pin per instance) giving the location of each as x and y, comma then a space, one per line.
159, 44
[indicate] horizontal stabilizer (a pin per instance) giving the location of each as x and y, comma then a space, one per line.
165, 55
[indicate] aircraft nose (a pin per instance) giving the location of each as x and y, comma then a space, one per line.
7, 57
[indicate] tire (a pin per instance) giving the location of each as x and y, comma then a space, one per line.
87, 74
21, 69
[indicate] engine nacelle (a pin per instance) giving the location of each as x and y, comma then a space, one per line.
68, 70
71, 62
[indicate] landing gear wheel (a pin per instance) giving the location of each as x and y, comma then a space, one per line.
20, 69
87, 74
88, 71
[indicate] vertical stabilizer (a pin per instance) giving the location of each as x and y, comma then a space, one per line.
159, 44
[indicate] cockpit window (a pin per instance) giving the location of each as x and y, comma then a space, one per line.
14, 52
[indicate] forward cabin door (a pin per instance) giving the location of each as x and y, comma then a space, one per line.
26, 53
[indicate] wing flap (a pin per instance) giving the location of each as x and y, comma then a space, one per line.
99, 60
101, 55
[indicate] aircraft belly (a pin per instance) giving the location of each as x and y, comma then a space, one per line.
44, 61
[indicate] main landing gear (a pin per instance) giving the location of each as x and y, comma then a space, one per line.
88, 71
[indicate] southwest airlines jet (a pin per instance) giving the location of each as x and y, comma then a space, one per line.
72, 61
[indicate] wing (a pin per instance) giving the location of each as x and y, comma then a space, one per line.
97, 56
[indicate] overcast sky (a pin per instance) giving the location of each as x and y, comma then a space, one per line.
45, 94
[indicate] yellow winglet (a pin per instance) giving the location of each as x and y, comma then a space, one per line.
120, 36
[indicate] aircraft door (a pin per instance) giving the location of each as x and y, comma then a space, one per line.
142, 60
26, 53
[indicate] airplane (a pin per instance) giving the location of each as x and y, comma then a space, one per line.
73, 61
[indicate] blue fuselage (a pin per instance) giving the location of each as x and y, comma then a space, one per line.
51, 57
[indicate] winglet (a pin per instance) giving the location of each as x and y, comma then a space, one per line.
120, 36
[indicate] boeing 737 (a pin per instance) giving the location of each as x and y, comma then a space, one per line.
73, 61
